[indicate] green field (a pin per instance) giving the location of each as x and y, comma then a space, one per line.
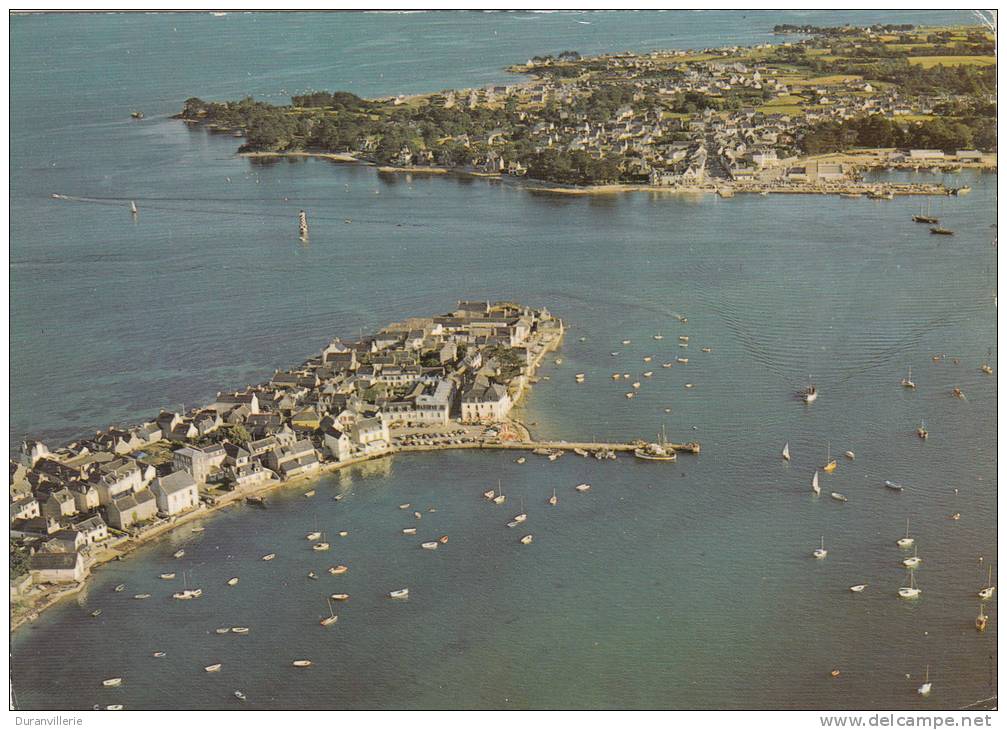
931, 61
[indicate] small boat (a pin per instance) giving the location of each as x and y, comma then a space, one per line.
256, 501
630, 395
113, 707
178, 553
338, 570
925, 218
301, 663
905, 542
839, 497
331, 618
682, 360
120, 588
409, 531
198, 529
520, 460
432, 545
957, 393
320, 546
213, 668
401, 593
938, 231
558, 361
580, 452
312, 575
814, 484
981, 619
956, 516
136, 115
555, 455
821, 552
834, 673
232, 581
707, 349
270, 556
648, 358
313, 536
188, 594
239, 630
667, 364
340, 596
310, 493
96, 613
526, 540
985, 367
443, 539
910, 591
159, 654
907, 382
553, 500
579, 377
859, 588
499, 498
626, 342
894, 486
167, 576
830, 463
141, 596
648, 373
345, 533
405, 506
112, 682
616, 376
489, 494
223, 630
913, 561
810, 394
849, 455
786, 451
582, 487
240, 695
927, 685
921, 431
987, 592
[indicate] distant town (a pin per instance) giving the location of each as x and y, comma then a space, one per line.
806, 115
427, 382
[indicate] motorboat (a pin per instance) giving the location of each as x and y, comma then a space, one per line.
301, 663
582, 487
526, 540
141, 596
707, 349
859, 588
312, 575
269, 556
894, 486
849, 455
839, 497
232, 581
113, 707
340, 596
240, 695
112, 682
120, 588
432, 545
178, 553
222, 630
240, 630
682, 360
159, 654
167, 576
401, 593
409, 531
96, 613
407, 505
213, 668
443, 539
310, 493
338, 570
821, 552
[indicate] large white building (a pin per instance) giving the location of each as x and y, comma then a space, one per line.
175, 493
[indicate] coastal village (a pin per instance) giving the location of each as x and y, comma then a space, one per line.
427, 382
725, 120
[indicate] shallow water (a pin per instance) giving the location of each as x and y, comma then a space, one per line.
684, 586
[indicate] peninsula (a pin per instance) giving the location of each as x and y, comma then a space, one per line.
425, 383
807, 115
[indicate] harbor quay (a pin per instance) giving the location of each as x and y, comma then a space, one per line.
423, 384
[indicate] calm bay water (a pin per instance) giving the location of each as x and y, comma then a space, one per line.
689, 586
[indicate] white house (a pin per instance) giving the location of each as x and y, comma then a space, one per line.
175, 493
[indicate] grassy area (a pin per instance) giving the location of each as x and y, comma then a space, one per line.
791, 109
931, 61
786, 100
825, 80
916, 117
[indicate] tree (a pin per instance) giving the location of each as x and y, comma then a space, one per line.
240, 435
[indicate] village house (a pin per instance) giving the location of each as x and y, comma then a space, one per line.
128, 510
24, 509
59, 505
93, 529
48, 567
485, 402
175, 493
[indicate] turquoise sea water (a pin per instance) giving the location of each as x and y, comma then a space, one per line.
689, 586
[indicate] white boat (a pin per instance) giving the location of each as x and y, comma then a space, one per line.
132, 204
667, 364
553, 500
859, 588
340, 596
178, 554
839, 497
648, 358
240, 695
582, 487
320, 546
409, 531
213, 668
914, 560
518, 519
850, 455
907, 382
905, 542
270, 556
707, 349
167, 576
344, 533
338, 570
626, 342
432, 545
810, 394
331, 618
821, 552
302, 662
910, 591
223, 630
311, 536
113, 707
310, 493
927, 685
520, 460
987, 592
141, 596
814, 484
120, 588
188, 594
499, 498
159, 654
239, 629
405, 506
198, 529
401, 593
526, 540
648, 373
786, 451
894, 486
232, 581
631, 395
682, 360
112, 682
658, 337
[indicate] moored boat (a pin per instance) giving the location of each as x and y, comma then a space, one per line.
178, 553
526, 540
400, 593
269, 556
213, 668
432, 545
786, 451
167, 576
232, 581
112, 682
820, 552
910, 591
894, 486
859, 588
987, 592
241, 630
409, 531
338, 570
301, 663
905, 542
839, 497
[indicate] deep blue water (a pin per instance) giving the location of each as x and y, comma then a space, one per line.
682, 587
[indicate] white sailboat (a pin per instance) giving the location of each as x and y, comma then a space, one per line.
907, 382
859, 588
987, 592
821, 552
331, 618
553, 500
786, 451
814, 484
927, 685
499, 498
910, 591
905, 542
914, 561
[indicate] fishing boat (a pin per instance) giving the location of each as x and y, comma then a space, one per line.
814, 484
821, 552
409, 531
141, 596
660, 450
553, 500
910, 591
96, 613
859, 588
839, 497
921, 431
167, 576
240, 630
443, 539
830, 463
240, 695
120, 588
213, 668
331, 618
786, 451
401, 593
232, 581
301, 663
178, 553
893, 486
526, 540
905, 542
432, 545
924, 689
914, 561
338, 570
981, 619
112, 682
269, 556
850, 455
907, 382
987, 592
939, 231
